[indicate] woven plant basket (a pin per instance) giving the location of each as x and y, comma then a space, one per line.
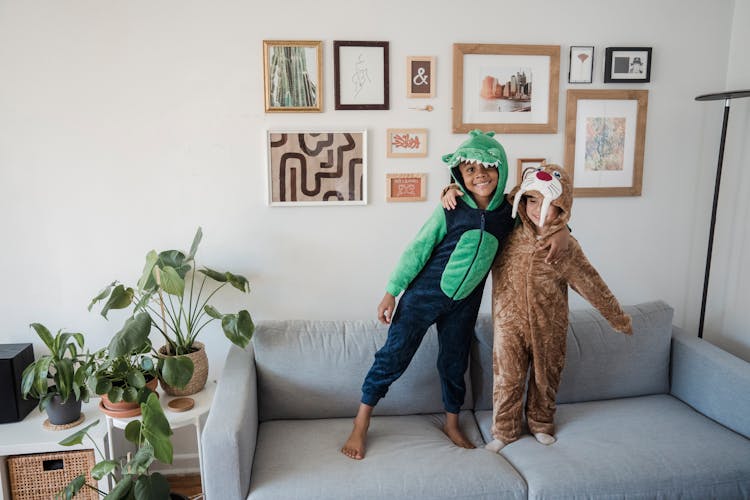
200, 372
43, 475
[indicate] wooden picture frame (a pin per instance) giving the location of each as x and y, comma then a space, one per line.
493, 88
317, 167
524, 163
406, 142
627, 65
406, 187
605, 137
581, 64
420, 77
297, 90
360, 75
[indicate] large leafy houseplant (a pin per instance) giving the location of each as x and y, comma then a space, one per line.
173, 297
58, 378
132, 479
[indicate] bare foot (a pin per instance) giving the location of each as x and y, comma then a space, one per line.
355, 445
454, 432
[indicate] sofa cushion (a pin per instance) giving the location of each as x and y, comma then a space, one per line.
407, 457
600, 363
645, 447
315, 369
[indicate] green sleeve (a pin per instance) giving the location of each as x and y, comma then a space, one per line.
417, 253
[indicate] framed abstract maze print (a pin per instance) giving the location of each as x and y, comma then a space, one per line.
307, 167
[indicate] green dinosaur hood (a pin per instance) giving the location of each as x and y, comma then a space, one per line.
480, 148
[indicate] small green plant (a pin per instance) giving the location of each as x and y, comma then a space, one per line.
123, 378
130, 475
63, 372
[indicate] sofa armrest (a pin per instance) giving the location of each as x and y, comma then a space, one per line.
232, 429
712, 381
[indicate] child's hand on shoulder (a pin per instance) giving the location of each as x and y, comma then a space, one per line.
385, 308
557, 244
450, 195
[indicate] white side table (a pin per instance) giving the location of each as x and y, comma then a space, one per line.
176, 420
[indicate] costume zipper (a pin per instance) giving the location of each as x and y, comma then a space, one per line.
476, 253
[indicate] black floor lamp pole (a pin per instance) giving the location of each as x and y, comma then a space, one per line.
727, 97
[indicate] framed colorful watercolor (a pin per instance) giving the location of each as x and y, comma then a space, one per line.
406, 187
308, 167
524, 163
360, 74
605, 137
581, 68
420, 80
406, 142
627, 65
293, 76
505, 88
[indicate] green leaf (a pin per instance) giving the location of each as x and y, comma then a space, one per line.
156, 429
121, 489
135, 378
103, 468
238, 328
175, 259
196, 241
133, 336
177, 370
119, 299
64, 377
45, 335
153, 487
146, 282
130, 394
102, 294
214, 275
171, 282
103, 386
142, 459
115, 394
211, 311
237, 281
77, 437
133, 431
74, 487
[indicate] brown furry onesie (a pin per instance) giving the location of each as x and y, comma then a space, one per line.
530, 308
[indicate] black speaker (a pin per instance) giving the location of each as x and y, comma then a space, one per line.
13, 359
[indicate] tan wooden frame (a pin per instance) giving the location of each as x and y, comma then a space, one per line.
389, 152
317, 44
410, 76
422, 196
573, 96
460, 49
520, 168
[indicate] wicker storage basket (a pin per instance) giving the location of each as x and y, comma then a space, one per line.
41, 476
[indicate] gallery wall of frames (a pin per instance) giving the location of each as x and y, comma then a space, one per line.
506, 88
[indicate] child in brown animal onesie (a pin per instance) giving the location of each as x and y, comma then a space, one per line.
530, 307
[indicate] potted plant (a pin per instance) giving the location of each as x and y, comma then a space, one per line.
130, 475
173, 297
58, 379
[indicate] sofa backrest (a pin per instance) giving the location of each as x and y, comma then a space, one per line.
315, 369
600, 363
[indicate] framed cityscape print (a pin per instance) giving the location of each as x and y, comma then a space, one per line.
406, 187
505, 88
406, 142
627, 65
293, 75
420, 80
307, 167
605, 136
360, 74
581, 68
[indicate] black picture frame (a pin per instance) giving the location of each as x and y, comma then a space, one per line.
627, 65
355, 78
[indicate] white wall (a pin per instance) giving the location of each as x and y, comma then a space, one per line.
125, 125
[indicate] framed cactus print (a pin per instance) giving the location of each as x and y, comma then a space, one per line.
293, 75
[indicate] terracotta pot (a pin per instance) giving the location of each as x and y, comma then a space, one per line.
200, 372
121, 408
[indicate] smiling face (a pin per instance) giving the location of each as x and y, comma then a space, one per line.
480, 181
534, 209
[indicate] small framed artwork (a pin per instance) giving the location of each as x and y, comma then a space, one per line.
360, 74
308, 167
406, 187
627, 65
581, 69
605, 138
419, 76
292, 75
524, 163
406, 142
505, 88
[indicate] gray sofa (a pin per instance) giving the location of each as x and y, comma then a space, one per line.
660, 414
